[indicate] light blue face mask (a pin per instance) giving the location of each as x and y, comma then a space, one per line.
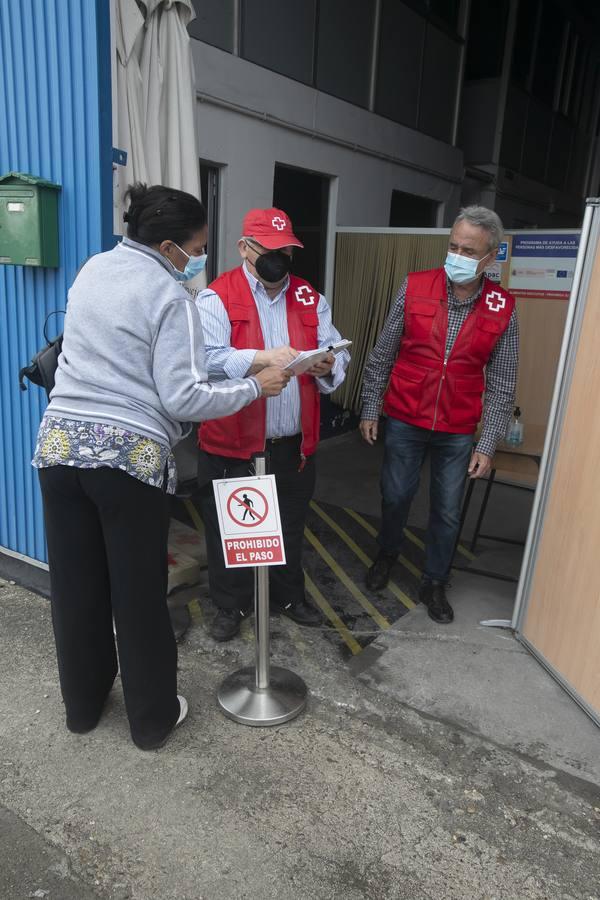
461, 269
193, 267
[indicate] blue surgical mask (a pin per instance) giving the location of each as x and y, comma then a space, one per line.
461, 269
193, 267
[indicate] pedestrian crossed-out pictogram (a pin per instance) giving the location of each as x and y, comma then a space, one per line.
247, 506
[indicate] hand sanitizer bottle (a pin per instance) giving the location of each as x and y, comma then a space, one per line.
514, 434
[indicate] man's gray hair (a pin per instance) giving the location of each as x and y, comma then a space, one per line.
483, 218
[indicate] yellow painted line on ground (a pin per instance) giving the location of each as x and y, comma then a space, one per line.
409, 534
419, 543
392, 587
328, 611
195, 611
414, 539
373, 532
346, 581
247, 630
194, 516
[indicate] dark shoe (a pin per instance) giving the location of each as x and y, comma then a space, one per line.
156, 745
379, 573
432, 594
82, 726
301, 612
226, 624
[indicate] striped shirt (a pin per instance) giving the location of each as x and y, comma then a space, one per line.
224, 361
501, 369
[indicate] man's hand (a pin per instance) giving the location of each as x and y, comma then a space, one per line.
272, 380
277, 356
480, 465
368, 429
322, 368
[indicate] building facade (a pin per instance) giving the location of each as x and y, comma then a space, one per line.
369, 113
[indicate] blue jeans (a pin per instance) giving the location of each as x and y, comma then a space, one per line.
405, 449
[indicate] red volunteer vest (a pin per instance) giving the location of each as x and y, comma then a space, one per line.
425, 388
244, 433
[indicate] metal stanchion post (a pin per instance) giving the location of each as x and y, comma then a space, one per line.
265, 694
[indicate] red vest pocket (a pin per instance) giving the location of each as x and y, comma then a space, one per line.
466, 399
405, 391
419, 318
486, 334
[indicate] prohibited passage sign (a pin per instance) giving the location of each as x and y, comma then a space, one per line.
249, 521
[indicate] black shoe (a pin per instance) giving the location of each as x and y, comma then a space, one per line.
379, 573
432, 594
226, 624
301, 612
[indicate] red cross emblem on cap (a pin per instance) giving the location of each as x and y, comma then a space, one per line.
278, 223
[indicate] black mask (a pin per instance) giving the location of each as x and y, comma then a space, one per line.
273, 266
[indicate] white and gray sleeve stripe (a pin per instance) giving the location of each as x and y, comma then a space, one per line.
179, 370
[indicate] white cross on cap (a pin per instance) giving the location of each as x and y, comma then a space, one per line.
278, 223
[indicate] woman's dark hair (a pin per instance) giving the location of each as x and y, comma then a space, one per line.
160, 213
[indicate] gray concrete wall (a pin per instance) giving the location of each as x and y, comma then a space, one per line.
250, 118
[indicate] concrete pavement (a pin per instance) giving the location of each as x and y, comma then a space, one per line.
361, 797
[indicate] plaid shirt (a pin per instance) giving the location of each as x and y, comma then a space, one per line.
501, 369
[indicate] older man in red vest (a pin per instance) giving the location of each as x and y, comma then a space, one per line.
253, 316
450, 337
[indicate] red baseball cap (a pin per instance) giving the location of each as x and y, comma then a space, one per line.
271, 228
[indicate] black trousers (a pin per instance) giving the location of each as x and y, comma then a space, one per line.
234, 588
107, 536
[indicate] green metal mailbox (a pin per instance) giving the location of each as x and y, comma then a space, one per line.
28, 221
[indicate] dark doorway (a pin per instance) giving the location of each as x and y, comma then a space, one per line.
410, 211
209, 190
304, 196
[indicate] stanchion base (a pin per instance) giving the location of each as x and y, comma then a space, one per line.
242, 701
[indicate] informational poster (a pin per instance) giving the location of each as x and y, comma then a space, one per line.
494, 270
543, 265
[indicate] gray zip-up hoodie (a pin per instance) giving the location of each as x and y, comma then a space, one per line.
133, 352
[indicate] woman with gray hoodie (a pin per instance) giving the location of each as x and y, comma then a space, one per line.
131, 374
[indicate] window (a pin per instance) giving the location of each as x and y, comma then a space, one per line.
411, 211
535, 146
401, 42
344, 48
447, 11
280, 35
438, 85
523, 44
548, 53
485, 40
213, 23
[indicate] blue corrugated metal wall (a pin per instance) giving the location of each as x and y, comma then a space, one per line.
54, 122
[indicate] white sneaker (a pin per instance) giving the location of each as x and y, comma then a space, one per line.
183, 709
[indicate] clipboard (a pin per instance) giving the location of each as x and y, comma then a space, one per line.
307, 358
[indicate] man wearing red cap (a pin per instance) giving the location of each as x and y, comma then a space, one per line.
257, 315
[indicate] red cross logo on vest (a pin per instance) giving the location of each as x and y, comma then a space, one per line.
305, 295
495, 301
278, 223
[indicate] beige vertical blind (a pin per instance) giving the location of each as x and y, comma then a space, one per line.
369, 269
